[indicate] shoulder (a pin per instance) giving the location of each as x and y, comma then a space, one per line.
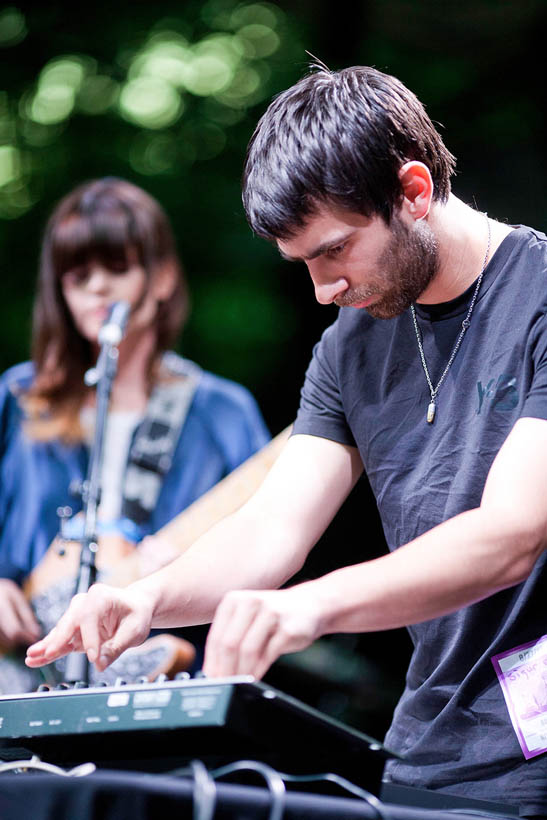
343, 343
230, 415
220, 401
15, 381
520, 267
216, 392
22, 373
531, 237
525, 246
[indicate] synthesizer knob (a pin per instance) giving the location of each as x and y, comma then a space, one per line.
44, 687
81, 684
120, 682
63, 686
161, 678
182, 676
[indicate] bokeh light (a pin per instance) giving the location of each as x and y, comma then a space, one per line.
9, 164
181, 87
150, 102
58, 84
13, 27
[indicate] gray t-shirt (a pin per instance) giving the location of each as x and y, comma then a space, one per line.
366, 387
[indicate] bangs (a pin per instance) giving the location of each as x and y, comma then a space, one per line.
105, 238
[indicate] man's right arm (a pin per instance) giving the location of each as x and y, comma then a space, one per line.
258, 547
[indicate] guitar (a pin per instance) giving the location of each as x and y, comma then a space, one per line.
50, 585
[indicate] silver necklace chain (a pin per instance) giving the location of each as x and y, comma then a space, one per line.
465, 324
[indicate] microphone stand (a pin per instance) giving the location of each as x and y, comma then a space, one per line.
102, 375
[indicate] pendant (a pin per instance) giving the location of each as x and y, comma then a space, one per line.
431, 412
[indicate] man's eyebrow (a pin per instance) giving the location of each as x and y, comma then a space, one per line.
318, 251
288, 258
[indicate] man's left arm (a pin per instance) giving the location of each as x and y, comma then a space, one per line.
458, 562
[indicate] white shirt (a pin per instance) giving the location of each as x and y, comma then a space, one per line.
120, 426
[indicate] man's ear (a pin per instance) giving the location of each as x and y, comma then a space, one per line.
417, 187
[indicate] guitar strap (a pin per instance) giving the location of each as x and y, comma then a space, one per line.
153, 446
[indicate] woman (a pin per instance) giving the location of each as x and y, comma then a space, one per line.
172, 431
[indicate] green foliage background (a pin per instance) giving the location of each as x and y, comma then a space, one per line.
167, 94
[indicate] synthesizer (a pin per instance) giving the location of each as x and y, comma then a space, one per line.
160, 726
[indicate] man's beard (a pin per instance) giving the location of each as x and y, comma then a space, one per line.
405, 268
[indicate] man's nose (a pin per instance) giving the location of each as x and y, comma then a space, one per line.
326, 291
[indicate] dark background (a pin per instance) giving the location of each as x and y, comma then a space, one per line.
80, 96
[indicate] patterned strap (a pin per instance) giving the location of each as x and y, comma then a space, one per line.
153, 446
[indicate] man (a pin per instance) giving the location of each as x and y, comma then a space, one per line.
444, 405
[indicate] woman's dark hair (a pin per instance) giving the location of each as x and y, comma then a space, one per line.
340, 138
114, 223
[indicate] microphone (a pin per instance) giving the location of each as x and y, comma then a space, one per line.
113, 328
110, 335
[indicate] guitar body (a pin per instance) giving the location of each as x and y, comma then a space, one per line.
116, 565
50, 587
51, 584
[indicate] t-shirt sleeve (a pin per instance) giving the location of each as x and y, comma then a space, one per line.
321, 412
535, 404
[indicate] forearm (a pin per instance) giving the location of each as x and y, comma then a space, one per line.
265, 542
455, 564
258, 547
242, 551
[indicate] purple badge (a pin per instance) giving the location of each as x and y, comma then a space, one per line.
522, 673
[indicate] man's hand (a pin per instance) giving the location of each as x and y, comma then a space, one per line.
258, 547
252, 628
102, 623
17, 622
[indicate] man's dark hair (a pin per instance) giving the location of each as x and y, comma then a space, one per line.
340, 138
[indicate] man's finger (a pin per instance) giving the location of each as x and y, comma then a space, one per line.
233, 618
91, 640
276, 646
129, 633
64, 638
254, 644
214, 636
